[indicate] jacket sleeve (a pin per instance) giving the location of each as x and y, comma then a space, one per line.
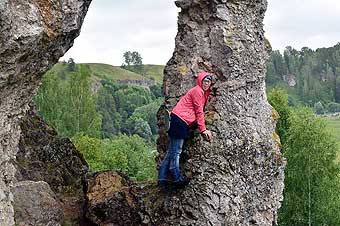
198, 100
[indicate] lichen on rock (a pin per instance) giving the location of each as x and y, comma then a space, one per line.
34, 34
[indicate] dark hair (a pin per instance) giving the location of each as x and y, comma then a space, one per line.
207, 77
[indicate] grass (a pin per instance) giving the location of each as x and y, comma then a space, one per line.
154, 71
333, 123
106, 71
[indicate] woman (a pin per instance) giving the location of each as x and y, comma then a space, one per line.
188, 111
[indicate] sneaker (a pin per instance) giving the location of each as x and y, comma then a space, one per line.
180, 184
162, 185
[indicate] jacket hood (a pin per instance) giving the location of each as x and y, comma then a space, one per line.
200, 77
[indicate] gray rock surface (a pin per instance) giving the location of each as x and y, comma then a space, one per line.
34, 34
44, 156
237, 179
35, 204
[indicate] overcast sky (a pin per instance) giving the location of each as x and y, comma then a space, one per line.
112, 27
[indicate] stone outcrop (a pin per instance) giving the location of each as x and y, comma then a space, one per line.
237, 179
34, 34
290, 79
46, 158
36, 204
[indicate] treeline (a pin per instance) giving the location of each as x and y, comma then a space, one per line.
115, 128
309, 76
312, 182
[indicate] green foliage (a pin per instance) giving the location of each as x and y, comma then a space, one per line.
318, 108
128, 154
111, 119
66, 101
129, 98
278, 98
316, 73
156, 91
90, 148
149, 114
312, 174
133, 61
69, 106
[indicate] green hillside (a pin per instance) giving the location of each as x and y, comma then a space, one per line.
154, 71
106, 71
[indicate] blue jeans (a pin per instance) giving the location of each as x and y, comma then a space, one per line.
170, 163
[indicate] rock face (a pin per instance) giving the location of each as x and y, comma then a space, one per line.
34, 34
44, 157
237, 179
35, 204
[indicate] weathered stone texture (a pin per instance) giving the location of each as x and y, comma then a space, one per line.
35, 204
44, 156
34, 34
237, 179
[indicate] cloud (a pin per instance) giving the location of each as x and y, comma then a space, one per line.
111, 28
299, 23
150, 26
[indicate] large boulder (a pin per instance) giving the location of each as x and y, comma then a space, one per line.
237, 178
44, 156
35, 204
34, 34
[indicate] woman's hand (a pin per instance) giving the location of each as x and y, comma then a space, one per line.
208, 134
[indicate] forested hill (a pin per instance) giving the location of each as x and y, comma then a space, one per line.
107, 111
147, 74
310, 77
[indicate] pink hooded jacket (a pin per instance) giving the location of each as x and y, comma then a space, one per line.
190, 106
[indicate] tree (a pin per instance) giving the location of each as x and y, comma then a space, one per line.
50, 100
156, 91
278, 98
127, 58
106, 106
139, 127
136, 58
69, 105
311, 176
318, 108
71, 65
128, 154
80, 113
133, 61
149, 114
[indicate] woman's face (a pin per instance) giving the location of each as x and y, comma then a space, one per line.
206, 84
